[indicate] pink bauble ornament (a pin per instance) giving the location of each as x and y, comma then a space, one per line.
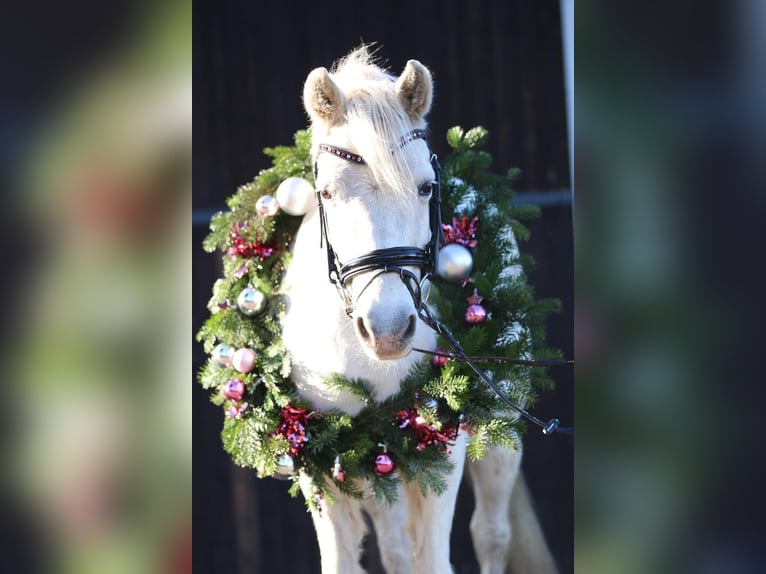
384, 465
266, 206
236, 411
475, 314
244, 360
234, 390
437, 360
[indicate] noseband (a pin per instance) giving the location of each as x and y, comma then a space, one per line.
396, 259
390, 259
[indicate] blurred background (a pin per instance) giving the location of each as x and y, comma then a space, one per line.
669, 206
499, 64
95, 405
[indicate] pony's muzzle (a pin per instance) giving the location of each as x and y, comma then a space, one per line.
387, 338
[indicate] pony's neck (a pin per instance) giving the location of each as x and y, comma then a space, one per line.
320, 336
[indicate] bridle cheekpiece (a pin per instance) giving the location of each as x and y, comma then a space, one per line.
390, 259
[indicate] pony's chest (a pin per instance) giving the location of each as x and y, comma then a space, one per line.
323, 347
317, 355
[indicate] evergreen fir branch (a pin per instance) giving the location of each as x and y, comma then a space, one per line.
514, 174
453, 389
477, 446
361, 388
431, 474
455, 137
350, 488
503, 432
239, 441
476, 137
219, 232
295, 488
211, 376
523, 211
385, 489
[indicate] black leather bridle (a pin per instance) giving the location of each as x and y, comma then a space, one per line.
397, 259
390, 259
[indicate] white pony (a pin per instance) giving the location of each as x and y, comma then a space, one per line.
361, 108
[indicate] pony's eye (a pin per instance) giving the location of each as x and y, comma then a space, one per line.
326, 194
425, 189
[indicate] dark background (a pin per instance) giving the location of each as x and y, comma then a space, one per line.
495, 63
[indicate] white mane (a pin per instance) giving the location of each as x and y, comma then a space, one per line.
375, 118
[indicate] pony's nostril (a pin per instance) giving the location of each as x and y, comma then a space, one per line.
409, 332
363, 332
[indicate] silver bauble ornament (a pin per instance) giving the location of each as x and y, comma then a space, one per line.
455, 262
431, 403
223, 355
285, 467
266, 206
251, 301
295, 196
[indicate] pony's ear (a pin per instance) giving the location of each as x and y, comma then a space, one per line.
414, 89
322, 97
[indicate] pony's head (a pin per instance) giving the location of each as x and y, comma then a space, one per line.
379, 202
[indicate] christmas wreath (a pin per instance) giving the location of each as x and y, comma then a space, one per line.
491, 312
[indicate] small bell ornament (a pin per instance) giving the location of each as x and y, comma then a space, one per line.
234, 390
318, 498
455, 262
223, 355
241, 272
251, 301
236, 411
285, 467
244, 360
475, 313
266, 206
384, 464
337, 470
295, 196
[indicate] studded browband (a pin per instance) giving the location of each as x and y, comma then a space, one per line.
356, 158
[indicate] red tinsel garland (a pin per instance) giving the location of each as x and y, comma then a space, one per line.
426, 434
247, 249
461, 231
293, 427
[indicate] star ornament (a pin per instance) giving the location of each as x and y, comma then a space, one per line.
474, 299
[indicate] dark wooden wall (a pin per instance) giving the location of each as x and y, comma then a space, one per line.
495, 63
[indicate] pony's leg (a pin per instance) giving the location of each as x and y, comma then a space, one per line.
492, 480
394, 540
340, 528
507, 536
529, 550
431, 519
